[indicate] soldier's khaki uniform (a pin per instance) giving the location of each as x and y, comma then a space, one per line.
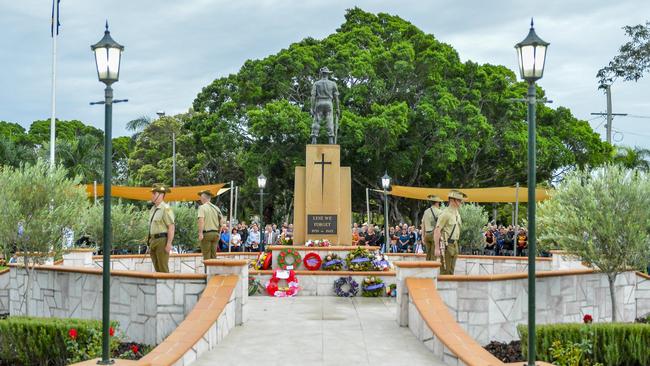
449, 223
212, 218
160, 218
429, 220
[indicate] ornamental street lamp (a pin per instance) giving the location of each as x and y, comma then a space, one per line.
261, 184
531, 53
385, 184
107, 59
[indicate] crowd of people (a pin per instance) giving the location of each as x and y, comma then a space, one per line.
249, 238
501, 240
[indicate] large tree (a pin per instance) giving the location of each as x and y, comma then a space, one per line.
633, 60
410, 107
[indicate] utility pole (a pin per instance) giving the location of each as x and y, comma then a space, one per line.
609, 114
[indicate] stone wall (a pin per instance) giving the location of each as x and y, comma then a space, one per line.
178, 263
642, 295
4, 292
148, 308
490, 310
486, 265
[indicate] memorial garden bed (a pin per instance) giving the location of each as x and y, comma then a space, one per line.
611, 344
54, 341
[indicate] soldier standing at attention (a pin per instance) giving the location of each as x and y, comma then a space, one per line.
429, 220
210, 220
161, 228
324, 94
447, 232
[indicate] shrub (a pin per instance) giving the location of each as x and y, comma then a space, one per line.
612, 344
474, 218
128, 222
50, 341
187, 227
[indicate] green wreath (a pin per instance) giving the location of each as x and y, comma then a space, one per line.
359, 259
294, 258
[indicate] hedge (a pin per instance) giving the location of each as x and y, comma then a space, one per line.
41, 341
613, 344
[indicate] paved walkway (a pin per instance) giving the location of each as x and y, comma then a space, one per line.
313, 330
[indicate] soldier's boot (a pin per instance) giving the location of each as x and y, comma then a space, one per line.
330, 140
313, 139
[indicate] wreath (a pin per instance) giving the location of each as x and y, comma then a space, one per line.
293, 256
273, 287
360, 259
332, 262
312, 261
381, 263
373, 287
346, 282
263, 261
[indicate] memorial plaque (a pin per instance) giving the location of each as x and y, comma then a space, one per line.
321, 224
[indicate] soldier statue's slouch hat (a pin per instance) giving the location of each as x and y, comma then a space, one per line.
325, 70
161, 188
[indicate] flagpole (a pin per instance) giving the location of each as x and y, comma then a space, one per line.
55, 31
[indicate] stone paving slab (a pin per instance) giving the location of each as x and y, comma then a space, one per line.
320, 331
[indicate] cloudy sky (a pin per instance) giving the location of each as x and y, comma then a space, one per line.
174, 48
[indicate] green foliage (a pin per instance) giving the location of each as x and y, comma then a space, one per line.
602, 217
611, 344
409, 106
633, 60
633, 158
46, 341
572, 354
39, 131
474, 219
44, 203
128, 224
187, 230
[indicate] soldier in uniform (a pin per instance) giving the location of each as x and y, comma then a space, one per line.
429, 220
323, 93
161, 228
447, 232
210, 220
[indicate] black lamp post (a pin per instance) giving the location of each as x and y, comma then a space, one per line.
261, 184
531, 53
107, 58
385, 184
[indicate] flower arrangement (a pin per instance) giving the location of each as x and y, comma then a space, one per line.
587, 319
332, 262
346, 287
360, 259
254, 286
381, 263
289, 257
286, 241
372, 287
274, 288
391, 290
312, 261
263, 261
318, 243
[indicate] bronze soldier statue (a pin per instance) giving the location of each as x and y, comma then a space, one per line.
323, 95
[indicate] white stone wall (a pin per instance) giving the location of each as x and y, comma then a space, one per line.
177, 263
491, 310
4, 293
563, 260
147, 309
318, 285
424, 334
642, 296
488, 266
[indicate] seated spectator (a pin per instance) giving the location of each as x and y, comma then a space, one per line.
235, 240
413, 235
490, 243
355, 236
371, 238
393, 240
253, 242
509, 242
224, 239
522, 242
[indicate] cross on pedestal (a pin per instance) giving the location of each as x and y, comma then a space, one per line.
322, 163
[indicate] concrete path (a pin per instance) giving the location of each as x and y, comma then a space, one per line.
313, 330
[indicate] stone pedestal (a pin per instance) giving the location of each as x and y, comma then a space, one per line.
322, 197
404, 270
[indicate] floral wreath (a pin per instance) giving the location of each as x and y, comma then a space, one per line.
373, 287
318, 243
263, 261
381, 263
353, 287
289, 253
286, 241
332, 262
360, 259
292, 288
312, 261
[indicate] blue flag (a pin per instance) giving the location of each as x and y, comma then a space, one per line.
58, 24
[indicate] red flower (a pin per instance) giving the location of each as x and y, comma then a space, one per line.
111, 331
73, 333
134, 348
587, 319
